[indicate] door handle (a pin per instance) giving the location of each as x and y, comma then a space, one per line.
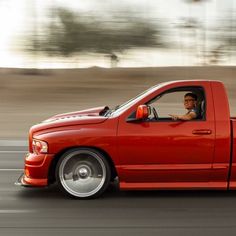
202, 131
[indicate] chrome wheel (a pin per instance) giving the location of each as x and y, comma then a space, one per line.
83, 173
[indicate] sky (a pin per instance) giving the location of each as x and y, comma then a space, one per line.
17, 19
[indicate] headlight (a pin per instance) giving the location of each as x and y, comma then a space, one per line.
39, 146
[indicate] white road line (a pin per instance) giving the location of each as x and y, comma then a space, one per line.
13, 151
15, 211
10, 143
11, 170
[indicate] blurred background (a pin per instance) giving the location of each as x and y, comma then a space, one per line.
58, 56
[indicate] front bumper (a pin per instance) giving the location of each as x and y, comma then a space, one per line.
20, 181
29, 182
36, 170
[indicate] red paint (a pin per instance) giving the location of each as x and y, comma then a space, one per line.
194, 154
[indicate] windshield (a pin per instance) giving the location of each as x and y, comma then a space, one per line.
126, 105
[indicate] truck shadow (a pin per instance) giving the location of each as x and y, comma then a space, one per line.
113, 192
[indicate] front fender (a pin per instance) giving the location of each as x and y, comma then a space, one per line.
102, 136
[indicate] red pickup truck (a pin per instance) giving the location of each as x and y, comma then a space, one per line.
138, 144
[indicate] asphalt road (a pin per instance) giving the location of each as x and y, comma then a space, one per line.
47, 211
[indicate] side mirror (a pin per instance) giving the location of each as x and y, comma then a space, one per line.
142, 112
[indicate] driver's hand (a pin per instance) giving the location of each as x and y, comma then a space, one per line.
174, 117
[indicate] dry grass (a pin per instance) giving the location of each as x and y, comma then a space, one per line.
29, 96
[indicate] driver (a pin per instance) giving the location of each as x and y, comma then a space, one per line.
190, 103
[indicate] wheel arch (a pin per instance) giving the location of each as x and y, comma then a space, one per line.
52, 168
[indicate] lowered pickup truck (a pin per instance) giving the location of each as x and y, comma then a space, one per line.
83, 151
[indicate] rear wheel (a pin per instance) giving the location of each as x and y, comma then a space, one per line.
83, 173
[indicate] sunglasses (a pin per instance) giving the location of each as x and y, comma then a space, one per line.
188, 100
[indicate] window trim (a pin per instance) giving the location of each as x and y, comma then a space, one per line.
131, 118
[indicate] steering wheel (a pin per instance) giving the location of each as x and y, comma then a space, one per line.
154, 111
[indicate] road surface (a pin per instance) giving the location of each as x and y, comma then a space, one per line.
47, 211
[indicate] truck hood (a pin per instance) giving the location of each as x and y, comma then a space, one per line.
88, 112
84, 117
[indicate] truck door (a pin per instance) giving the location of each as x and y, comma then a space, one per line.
166, 151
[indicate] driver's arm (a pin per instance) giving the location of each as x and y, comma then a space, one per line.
191, 115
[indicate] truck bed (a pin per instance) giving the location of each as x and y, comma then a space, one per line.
232, 173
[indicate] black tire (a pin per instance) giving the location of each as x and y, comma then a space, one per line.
83, 173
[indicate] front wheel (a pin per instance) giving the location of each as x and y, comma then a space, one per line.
83, 173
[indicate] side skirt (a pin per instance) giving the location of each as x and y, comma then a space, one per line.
174, 186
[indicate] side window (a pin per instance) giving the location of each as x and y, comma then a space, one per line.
174, 102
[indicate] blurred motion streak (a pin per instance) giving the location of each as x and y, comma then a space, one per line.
69, 33
46, 34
